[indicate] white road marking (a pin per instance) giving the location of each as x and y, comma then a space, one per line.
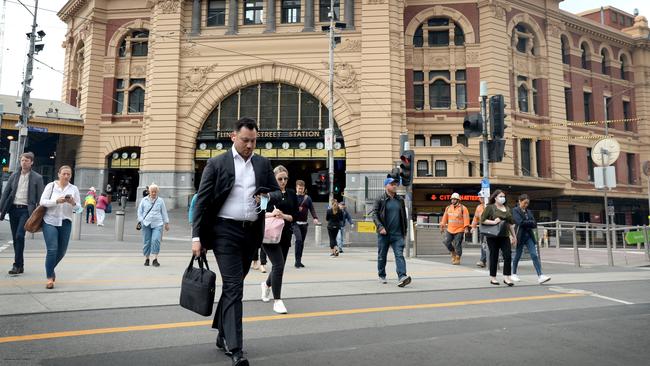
612, 299
565, 290
2, 248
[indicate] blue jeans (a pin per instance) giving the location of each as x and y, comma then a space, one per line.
397, 242
56, 242
340, 239
532, 249
17, 218
151, 236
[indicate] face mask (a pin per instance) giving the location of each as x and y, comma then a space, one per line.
264, 201
501, 200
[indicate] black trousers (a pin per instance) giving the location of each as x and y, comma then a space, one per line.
503, 243
260, 255
278, 255
300, 231
234, 247
333, 232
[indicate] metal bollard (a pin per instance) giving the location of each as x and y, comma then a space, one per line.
318, 234
76, 226
638, 245
558, 228
613, 236
587, 235
475, 237
576, 254
645, 243
119, 225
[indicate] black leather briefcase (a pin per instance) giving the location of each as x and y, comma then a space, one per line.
198, 287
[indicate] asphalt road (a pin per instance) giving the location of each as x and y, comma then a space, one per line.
604, 323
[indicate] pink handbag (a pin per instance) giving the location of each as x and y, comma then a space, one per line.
273, 230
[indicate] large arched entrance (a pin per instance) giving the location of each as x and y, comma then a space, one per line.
123, 165
292, 125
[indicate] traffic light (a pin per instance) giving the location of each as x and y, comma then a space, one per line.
497, 116
473, 125
406, 167
496, 150
4, 161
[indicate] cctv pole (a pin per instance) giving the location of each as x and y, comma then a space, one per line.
330, 152
25, 108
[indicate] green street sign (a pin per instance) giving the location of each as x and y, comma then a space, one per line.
634, 237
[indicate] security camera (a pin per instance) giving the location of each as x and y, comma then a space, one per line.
19, 102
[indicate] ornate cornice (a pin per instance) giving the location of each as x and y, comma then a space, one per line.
70, 9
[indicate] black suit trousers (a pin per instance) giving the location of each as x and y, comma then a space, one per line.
234, 248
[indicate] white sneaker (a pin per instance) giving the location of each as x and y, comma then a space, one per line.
543, 279
515, 278
266, 292
278, 307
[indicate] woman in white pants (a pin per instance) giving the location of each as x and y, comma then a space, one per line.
100, 209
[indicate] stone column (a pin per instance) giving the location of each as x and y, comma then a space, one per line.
270, 16
349, 14
232, 17
196, 17
309, 16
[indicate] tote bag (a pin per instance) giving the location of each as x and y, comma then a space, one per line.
273, 230
34, 223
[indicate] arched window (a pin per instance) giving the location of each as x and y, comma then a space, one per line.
136, 100
439, 90
438, 32
137, 42
584, 54
522, 98
566, 58
523, 39
274, 105
604, 61
624, 67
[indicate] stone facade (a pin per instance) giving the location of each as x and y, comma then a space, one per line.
528, 47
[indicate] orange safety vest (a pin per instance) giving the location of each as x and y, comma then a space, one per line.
456, 218
477, 215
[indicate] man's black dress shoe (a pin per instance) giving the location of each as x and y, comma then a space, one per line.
221, 344
16, 270
238, 359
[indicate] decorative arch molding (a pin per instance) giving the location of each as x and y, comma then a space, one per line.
628, 56
122, 31
589, 43
607, 47
529, 21
117, 142
439, 10
265, 73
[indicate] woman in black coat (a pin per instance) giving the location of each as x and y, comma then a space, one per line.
334, 219
282, 204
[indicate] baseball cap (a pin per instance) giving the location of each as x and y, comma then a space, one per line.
455, 195
390, 180
480, 194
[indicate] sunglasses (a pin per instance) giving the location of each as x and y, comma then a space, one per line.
283, 178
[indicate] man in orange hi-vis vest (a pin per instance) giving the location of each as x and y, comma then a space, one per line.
455, 224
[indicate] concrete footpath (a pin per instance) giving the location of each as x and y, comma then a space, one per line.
100, 273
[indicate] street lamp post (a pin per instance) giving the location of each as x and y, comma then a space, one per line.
330, 152
25, 103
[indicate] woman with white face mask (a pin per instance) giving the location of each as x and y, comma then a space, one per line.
495, 212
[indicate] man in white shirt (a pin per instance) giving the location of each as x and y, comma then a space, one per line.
228, 218
19, 199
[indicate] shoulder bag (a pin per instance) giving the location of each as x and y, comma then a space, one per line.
198, 287
138, 226
34, 223
492, 231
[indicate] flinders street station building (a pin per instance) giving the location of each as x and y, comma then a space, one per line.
160, 83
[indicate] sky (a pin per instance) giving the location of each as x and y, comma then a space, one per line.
48, 79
